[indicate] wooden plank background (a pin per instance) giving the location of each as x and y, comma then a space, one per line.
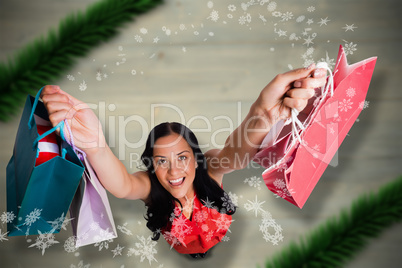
217, 73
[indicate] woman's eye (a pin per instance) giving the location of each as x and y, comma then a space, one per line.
161, 161
182, 157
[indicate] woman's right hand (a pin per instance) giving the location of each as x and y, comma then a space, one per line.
85, 126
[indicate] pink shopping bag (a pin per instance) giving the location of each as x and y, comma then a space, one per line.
92, 221
297, 152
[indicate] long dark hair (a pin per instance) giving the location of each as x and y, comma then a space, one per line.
160, 202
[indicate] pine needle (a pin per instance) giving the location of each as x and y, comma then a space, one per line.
339, 239
45, 59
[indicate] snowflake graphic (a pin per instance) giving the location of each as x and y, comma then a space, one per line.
271, 6
182, 27
7, 217
310, 21
310, 51
32, 217
316, 147
94, 226
323, 21
82, 86
225, 238
349, 28
364, 105
208, 237
300, 18
281, 33
210, 4
208, 203
351, 92
117, 250
283, 193
254, 206
180, 228
262, 18
227, 202
82, 237
60, 223
80, 265
311, 9
269, 222
287, 16
138, 38
329, 61
349, 48
44, 241
331, 130
124, 229
188, 206
103, 239
200, 216
277, 14
254, 181
234, 198
144, 30
170, 238
70, 77
222, 223
248, 17
242, 20
99, 76
145, 249
345, 105
279, 184
282, 167
231, 8
214, 16
308, 62
69, 244
205, 228
3, 236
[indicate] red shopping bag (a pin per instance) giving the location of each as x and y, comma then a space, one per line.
296, 155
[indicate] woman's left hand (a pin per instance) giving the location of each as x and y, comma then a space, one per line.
289, 90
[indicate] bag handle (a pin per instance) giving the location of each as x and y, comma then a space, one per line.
81, 154
59, 125
34, 108
328, 88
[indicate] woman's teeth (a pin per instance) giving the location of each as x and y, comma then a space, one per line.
176, 182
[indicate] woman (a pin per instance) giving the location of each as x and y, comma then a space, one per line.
182, 187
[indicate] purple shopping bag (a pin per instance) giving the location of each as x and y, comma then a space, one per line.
92, 220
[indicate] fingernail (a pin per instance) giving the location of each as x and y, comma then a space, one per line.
297, 84
310, 66
319, 73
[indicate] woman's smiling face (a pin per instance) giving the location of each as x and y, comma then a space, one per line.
175, 166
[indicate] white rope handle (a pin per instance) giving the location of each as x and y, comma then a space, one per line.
81, 154
329, 87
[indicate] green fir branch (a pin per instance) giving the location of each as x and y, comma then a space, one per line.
340, 238
45, 59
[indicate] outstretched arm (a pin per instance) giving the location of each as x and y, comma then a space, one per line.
88, 136
286, 91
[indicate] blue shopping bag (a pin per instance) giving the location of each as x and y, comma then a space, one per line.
38, 197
